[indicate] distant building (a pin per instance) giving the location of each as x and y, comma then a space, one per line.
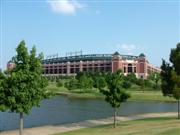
71, 65
10, 65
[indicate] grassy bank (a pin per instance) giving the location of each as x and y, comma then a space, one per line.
137, 94
150, 126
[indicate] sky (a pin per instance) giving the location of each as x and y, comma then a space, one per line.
130, 27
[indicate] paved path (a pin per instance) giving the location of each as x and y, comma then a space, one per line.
52, 129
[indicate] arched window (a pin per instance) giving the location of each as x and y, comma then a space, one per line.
130, 68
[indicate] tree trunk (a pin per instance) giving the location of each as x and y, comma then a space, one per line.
21, 124
114, 117
156, 84
178, 110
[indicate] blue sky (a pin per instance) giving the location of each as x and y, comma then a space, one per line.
93, 26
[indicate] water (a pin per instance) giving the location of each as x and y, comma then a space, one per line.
61, 109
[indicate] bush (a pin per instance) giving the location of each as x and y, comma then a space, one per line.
148, 83
85, 81
140, 82
126, 84
131, 77
99, 82
72, 84
59, 83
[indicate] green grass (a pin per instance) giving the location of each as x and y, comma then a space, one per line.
148, 94
150, 126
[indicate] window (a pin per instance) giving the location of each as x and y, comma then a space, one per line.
72, 70
129, 68
134, 69
84, 69
47, 71
64, 71
51, 71
77, 70
124, 69
60, 71
55, 71
101, 69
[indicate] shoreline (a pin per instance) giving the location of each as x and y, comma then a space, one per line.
53, 129
76, 95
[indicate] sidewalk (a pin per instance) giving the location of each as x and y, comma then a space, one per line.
52, 129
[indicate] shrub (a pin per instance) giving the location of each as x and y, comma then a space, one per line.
131, 77
99, 82
148, 83
72, 84
140, 82
59, 83
126, 84
85, 81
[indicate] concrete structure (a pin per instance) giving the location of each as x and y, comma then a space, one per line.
99, 62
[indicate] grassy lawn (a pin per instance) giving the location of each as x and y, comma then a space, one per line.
148, 94
150, 126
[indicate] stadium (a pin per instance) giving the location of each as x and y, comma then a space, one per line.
71, 65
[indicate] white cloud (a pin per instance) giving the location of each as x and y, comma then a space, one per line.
129, 48
65, 6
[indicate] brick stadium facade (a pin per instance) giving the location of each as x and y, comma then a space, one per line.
99, 62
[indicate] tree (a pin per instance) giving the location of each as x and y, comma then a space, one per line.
154, 77
131, 77
147, 83
115, 94
99, 82
141, 83
126, 84
2, 94
24, 85
59, 83
72, 84
85, 81
175, 60
170, 76
167, 83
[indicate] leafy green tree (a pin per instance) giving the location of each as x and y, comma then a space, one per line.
141, 83
91, 79
57, 78
167, 83
59, 83
79, 74
85, 81
170, 76
175, 60
115, 94
147, 83
24, 85
131, 77
155, 77
72, 84
126, 84
2, 94
99, 82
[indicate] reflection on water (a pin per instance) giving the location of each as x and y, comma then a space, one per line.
61, 109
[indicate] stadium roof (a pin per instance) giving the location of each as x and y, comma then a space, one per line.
88, 57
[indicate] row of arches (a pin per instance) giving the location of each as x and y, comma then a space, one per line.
129, 69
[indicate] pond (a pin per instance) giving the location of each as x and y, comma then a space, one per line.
62, 109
